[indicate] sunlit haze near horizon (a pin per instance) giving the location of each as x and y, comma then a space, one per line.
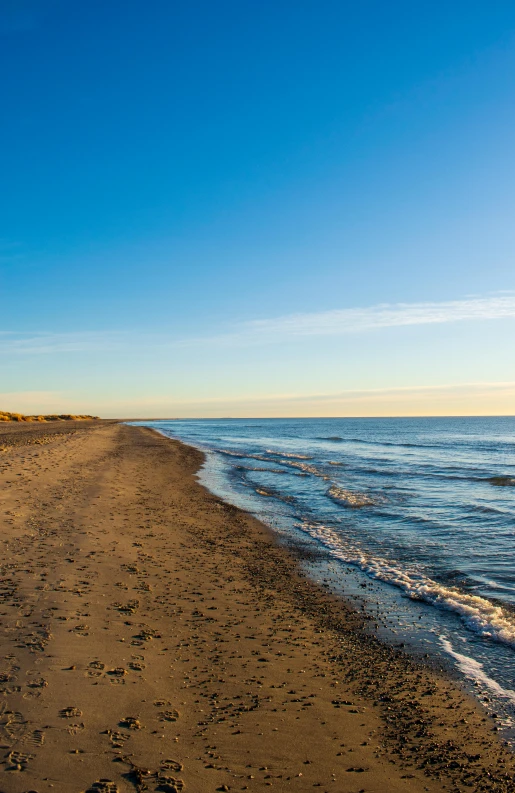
257, 209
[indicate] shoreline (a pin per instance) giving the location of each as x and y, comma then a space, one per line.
396, 611
136, 594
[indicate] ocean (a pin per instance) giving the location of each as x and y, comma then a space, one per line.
415, 518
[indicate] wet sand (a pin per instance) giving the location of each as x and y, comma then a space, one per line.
153, 638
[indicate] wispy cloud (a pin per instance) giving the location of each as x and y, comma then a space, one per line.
494, 398
44, 343
384, 315
503, 387
290, 327
478, 398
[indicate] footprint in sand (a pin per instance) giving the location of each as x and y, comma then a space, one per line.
171, 765
95, 669
117, 738
131, 723
18, 760
13, 725
73, 729
117, 674
142, 776
40, 682
34, 738
103, 786
170, 785
70, 713
168, 715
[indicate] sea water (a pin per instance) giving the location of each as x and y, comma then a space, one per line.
415, 517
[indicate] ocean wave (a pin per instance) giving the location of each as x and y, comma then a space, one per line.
475, 671
398, 444
479, 615
289, 454
350, 498
306, 468
330, 438
268, 492
489, 510
232, 454
266, 470
248, 456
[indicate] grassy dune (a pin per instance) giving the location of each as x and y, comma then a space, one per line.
5, 416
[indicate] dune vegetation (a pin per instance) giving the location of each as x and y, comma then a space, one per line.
6, 416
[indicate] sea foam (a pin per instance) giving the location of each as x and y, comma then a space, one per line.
478, 614
475, 671
350, 498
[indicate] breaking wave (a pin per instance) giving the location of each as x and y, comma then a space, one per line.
268, 492
479, 614
258, 468
475, 671
350, 498
289, 455
232, 454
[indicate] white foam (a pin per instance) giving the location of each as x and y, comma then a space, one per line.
475, 671
230, 453
478, 613
350, 498
289, 454
305, 467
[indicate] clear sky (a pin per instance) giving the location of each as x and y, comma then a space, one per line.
287, 207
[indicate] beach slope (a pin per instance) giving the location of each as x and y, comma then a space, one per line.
153, 638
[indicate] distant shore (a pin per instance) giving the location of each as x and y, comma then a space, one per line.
154, 638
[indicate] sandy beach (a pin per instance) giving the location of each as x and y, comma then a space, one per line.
154, 638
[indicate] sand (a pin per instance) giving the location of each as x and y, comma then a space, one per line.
153, 638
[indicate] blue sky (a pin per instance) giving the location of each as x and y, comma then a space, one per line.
273, 208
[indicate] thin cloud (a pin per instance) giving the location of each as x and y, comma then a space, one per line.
487, 398
384, 315
348, 394
475, 398
291, 327
45, 343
